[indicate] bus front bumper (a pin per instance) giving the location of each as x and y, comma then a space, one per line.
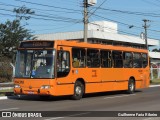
33, 91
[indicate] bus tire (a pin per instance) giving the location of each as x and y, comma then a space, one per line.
131, 86
78, 90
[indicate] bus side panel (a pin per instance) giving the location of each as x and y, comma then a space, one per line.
139, 74
108, 79
91, 77
144, 78
123, 75
64, 89
116, 77
121, 85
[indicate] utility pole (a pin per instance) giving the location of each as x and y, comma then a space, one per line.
145, 30
85, 20
87, 3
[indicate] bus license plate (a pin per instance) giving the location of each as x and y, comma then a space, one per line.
30, 92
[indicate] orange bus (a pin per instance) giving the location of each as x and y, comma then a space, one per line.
61, 67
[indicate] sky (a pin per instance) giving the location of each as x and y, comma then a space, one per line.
52, 16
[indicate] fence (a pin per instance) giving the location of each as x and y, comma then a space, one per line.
155, 73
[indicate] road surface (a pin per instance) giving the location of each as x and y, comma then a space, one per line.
142, 100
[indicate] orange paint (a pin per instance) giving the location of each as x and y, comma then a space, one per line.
95, 79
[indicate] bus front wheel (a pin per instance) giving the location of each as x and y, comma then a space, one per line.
131, 86
78, 90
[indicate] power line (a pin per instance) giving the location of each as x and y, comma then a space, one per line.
111, 20
59, 27
47, 19
97, 8
10, 5
132, 13
117, 30
47, 5
57, 18
61, 18
124, 23
52, 17
72, 2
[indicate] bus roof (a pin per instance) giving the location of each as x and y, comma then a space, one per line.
75, 43
98, 46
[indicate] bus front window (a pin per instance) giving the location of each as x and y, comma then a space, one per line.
35, 64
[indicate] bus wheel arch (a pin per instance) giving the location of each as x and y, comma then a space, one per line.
79, 89
131, 85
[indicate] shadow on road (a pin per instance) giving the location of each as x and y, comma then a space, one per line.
63, 98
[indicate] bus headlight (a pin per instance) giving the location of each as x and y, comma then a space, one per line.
45, 87
16, 86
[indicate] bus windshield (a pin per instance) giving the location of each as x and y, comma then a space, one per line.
35, 64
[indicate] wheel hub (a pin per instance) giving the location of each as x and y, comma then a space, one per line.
131, 87
78, 90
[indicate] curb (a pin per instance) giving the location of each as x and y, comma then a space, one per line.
18, 96
7, 97
154, 85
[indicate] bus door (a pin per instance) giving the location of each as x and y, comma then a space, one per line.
63, 68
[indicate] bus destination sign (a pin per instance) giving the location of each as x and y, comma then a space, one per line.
37, 44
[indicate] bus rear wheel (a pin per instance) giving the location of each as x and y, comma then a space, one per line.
78, 90
131, 86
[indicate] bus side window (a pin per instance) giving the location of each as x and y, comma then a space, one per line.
117, 59
78, 57
145, 60
137, 60
93, 58
106, 59
127, 60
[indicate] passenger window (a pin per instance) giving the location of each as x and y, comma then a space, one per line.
93, 58
127, 60
117, 59
137, 60
78, 57
106, 59
145, 60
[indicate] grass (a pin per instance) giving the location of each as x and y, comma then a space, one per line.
5, 91
155, 81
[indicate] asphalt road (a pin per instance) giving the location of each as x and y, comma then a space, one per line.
143, 100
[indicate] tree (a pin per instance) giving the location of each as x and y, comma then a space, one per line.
13, 32
156, 50
22, 12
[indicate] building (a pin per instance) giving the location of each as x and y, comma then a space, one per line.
104, 32
100, 32
155, 57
